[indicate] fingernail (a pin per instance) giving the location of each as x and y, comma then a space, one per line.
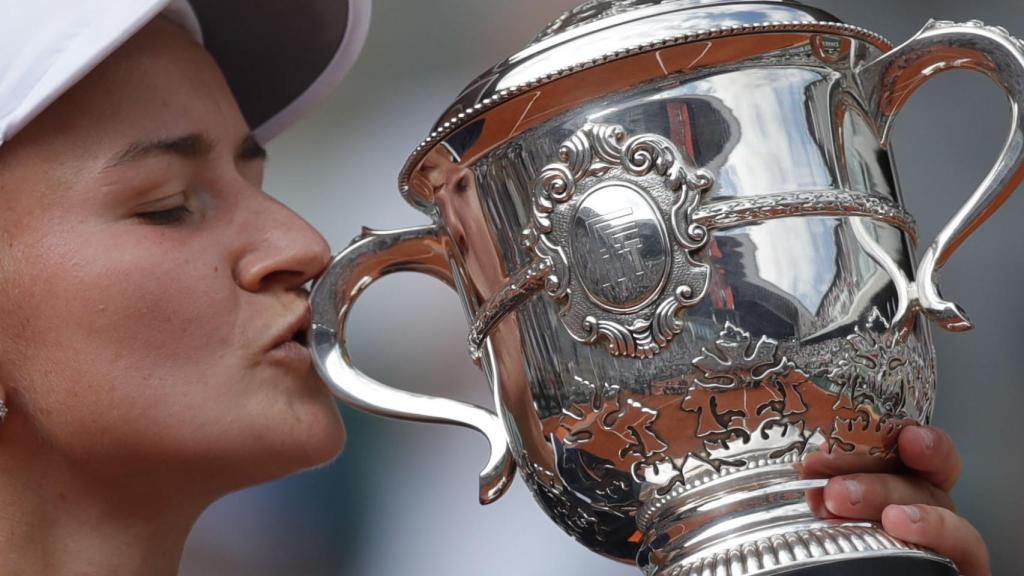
854, 491
927, 437
913, 514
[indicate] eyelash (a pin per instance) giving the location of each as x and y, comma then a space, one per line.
168, 217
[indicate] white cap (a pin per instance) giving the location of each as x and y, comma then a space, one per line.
280, 57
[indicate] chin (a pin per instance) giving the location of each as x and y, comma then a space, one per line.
325, 445
317, 437
307, 433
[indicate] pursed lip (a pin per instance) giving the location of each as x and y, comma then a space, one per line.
298, 326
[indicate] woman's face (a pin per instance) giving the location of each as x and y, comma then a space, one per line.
146, 281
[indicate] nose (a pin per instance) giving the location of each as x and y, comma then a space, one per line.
284, 251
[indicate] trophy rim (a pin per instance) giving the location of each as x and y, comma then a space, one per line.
542, 64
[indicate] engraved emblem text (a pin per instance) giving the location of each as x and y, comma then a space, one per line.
613, 226
620, 247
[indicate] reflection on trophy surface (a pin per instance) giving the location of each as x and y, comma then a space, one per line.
676, 227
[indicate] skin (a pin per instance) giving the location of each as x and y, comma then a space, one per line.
909, 497
143, 286
146, 277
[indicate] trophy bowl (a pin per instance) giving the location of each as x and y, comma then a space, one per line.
678, 235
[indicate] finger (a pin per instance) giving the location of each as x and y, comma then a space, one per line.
816, 500
931, 454
865, 496
823, 464
942, 531
827, 464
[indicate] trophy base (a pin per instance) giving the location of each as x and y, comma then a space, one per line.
827, 548
759, 521
878, 567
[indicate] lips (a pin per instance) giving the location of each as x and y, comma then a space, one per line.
294, 332
300, 335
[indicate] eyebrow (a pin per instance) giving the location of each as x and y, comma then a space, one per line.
194, 146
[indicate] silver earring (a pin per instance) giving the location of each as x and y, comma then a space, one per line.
3, 411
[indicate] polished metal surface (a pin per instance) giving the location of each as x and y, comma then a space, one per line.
889, 82
601, 219
369, 257
514, 94
681, 287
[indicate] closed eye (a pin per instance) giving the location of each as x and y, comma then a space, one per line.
167, 217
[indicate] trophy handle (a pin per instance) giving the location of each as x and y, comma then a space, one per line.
370, 256
890, 81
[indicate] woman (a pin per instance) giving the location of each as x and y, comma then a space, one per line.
153, 305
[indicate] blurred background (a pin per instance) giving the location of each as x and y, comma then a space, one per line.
402, 499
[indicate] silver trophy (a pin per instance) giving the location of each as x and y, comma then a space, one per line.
678, 234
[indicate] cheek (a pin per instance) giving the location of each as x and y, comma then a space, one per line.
132, 329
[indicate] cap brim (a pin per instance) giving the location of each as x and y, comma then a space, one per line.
281, 58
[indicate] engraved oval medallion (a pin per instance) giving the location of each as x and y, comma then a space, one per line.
620, 247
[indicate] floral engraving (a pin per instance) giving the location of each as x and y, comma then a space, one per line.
876, 381
743, 211
588, 520
747, 393
879, 367
600, 219
615, 428
550, 494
